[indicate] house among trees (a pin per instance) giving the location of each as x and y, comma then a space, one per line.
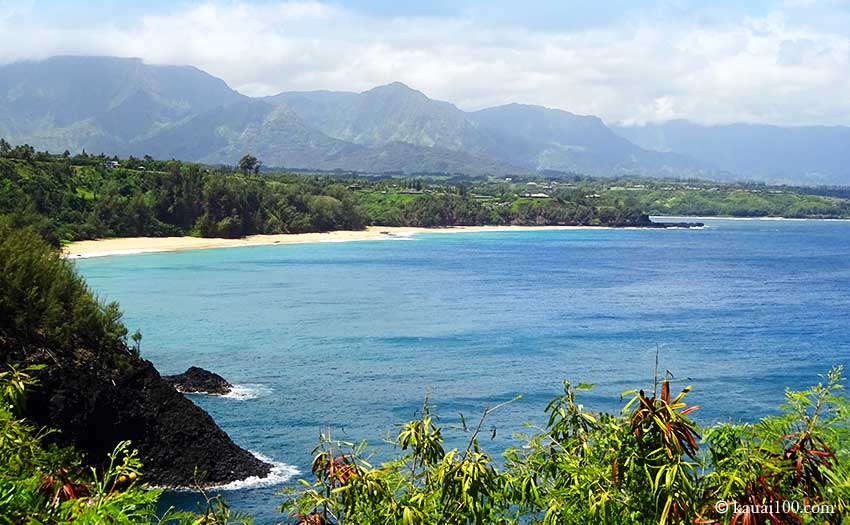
530, 195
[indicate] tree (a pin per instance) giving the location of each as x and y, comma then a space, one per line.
249, 164
5, 148
24, 152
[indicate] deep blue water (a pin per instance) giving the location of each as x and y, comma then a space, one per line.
347, 336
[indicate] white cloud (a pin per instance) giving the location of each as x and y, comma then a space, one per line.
763, 69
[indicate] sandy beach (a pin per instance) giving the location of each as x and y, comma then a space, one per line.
134, 245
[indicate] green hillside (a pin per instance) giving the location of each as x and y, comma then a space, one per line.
86, 197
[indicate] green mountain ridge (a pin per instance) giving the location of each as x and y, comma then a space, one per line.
101, 103
124, 106
552, 139
280, 137
528, 138
389, 113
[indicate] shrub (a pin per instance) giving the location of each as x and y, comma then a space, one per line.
645, 465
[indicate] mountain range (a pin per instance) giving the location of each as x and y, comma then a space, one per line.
126, 107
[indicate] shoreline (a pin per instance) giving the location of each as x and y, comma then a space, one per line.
734, 218
279, 474
137, 245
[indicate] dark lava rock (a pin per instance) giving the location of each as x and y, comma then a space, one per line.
644, 221
93, 387
679, 224
95, 408
198, 380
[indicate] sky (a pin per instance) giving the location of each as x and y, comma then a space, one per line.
784, 62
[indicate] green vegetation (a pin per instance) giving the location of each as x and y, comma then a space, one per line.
68, 198
700, 198
84, 197
45, 304
48, 315
646, 465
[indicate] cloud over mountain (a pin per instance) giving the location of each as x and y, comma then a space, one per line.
782, 63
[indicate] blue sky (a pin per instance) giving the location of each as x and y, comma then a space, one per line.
548, 14
777, 61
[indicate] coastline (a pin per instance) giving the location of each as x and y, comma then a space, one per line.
137, 245
734, 218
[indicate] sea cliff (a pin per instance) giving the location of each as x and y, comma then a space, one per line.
94, 388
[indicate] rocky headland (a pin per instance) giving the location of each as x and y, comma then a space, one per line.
96, 407
94, 388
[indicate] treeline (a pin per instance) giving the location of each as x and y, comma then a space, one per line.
27, 153
477, 202
743, 201
453, 207
78, 197
65, 200
74, 197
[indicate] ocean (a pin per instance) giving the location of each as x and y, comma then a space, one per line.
348, 337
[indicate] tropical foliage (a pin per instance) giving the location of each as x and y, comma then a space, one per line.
649, 464
78, 197
84, 197
75, 198
740, 201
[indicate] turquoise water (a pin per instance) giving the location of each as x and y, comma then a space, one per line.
347, 336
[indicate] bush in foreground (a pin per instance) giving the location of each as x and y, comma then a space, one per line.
650, 464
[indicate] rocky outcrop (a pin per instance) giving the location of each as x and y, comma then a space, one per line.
627, 220
675, 225
93, 387
644, 221
196, 380
96, 408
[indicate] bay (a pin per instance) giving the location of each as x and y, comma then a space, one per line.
347, 337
